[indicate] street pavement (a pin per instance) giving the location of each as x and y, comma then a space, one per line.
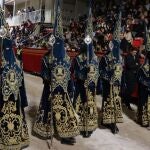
131, 135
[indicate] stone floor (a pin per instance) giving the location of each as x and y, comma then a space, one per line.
130, 137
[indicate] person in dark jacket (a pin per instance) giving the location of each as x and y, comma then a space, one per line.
132, 65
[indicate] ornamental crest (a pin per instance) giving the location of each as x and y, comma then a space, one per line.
146, 69
11, 81
60, 75
93, 72
117, 73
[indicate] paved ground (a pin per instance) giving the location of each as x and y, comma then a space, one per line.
130, 137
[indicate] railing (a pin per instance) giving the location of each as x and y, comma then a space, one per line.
34, 17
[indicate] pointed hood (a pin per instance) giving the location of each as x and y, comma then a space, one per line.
7, 52
89, 32
147, 46
58, 49
1, 17
11, 72
117, 30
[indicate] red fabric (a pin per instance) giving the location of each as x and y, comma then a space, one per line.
137, 42
135, 92
32, 60
72, 54
15, 50
100, 53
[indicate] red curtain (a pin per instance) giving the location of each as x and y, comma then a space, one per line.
32, 59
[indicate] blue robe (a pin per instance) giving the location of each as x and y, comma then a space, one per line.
56, 114
144, 95
85, 92
111, 102
13, 100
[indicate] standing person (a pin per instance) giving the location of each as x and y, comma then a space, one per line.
85, 73
131, 63
143, 115
56, 114
13, 100
110, 72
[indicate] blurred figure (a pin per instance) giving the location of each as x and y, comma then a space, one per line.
143, 115
56, 114
132, 65
13, 100
85, 73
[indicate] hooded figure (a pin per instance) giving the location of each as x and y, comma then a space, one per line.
13, 100
110, 72
85, 73
56, 115
143, 115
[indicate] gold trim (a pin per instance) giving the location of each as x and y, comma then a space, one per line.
65, 119
87, 113
112, 110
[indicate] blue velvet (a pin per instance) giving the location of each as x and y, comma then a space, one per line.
59, 50
8, 52
11, 63
116, 50
91, 51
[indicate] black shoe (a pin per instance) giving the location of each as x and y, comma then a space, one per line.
145, 126
72, 139
105, 125
114, 128
86, 134
117, 130
68, 141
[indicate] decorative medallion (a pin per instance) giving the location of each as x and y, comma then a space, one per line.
60, 75
11, 81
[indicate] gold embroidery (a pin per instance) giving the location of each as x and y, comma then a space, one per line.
19, 51
64, 118
60, 76
112, 110
87, 113
66, 121
117, 73
145, 113
93, 73
13, 131
145, 69
8, 108
42, 128
11, 81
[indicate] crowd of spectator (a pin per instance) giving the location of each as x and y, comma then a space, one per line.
20, 11
26, 10
135, 16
